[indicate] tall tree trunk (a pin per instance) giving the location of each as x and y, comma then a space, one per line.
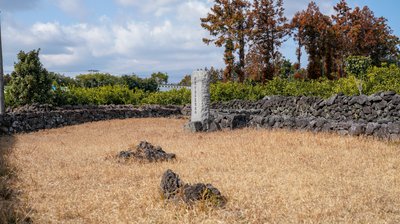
241, 60
229, 59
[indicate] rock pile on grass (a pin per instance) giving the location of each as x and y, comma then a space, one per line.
172, 187
146, 152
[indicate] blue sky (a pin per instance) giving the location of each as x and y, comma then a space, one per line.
130, 36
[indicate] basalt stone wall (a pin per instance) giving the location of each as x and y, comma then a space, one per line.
37, 117
376, 115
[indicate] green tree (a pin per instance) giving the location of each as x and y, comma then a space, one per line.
135, 82
161, 78
286, 68
30, 82
7, 79
186, 81
62, 80
92, 80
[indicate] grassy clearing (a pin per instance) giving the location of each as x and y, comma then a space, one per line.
67, 175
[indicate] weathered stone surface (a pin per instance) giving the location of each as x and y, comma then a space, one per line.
203, 192
214, 126
194, 126
200, 93
170, 184
394, 128
371, 127
146, 152
172, 187
356, 129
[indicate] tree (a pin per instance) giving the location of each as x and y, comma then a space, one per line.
216, 75
268, 33
160, 78
93, 80
30, 82
360, 33
227, 22
314, 32
254, 64
7, 79
62, 80
342, 28
186, 81
286, 68
135, 82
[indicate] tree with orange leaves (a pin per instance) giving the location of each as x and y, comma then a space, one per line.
268, 33
227, 22
315, 34
360, 33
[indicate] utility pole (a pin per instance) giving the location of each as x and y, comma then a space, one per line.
2, 105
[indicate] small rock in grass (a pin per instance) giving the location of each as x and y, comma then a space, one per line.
173, 188
170, 184
147, 152
203, 192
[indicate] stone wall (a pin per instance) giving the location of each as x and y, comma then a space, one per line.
37, 117
377, 115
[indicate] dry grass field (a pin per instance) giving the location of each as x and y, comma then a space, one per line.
68, 175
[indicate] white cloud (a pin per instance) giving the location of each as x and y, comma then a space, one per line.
75, 8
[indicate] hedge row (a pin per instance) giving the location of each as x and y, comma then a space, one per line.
377, 79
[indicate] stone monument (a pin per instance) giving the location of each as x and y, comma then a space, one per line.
200, 109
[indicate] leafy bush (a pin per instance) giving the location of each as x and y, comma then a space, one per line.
103, 95
30, 82
383, 79
232, 90
172, 97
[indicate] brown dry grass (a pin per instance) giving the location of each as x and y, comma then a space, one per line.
11, 209
67, 176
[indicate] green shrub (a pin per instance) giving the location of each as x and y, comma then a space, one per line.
230, 90
98, 96
383, 79
347, 86
172, 97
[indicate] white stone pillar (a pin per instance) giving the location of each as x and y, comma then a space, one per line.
200, 91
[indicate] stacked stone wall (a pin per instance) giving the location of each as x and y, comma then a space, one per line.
37, 117
376, 115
